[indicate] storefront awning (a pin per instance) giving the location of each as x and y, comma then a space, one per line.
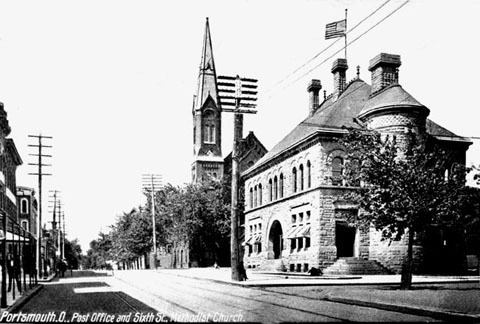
300, 231
258, 238
293, 233
305, 232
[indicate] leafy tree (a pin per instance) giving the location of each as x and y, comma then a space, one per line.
73, 253
195, 214
99, 253
404, 188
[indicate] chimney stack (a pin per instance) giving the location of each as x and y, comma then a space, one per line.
384, 68
339, 69
313, 89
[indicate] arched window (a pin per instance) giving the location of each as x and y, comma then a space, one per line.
25, 225
355, 171
255, 193
24, 206
309, 174
270, 195
275, 188
251, 198
301, 176
281, 185
212, 134
337, 171
294, 179
260, 194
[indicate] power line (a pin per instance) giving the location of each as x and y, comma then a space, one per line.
351, 42
328, 47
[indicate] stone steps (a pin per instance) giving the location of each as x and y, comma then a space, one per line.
355, 266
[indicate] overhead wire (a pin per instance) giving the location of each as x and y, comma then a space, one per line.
341, 49
328, 47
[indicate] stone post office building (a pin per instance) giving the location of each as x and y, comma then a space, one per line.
294, 212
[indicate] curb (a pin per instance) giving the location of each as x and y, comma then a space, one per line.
438, 314
326, 283
24, 299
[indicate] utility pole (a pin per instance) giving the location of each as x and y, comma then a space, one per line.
152, 183
246, 90
56, 204
40, 174
63, 235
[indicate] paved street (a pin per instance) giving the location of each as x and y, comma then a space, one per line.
183, 298
85, 297
164, 295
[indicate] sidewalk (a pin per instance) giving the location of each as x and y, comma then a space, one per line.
446, 297
265, 279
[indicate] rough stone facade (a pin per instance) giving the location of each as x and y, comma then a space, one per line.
295, 213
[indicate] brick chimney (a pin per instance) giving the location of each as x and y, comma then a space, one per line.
339, 68
384, 68
313, 89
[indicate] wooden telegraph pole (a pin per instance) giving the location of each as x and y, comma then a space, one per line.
40, 174
243, 89
152, 183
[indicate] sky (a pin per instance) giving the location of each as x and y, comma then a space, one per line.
113, 81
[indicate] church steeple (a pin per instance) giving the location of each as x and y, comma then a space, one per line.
207, 77
207, 118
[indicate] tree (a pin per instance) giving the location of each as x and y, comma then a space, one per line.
404, 187
99, 253
195, 214
73, 253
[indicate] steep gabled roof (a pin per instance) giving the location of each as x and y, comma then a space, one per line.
331, 115
356, 101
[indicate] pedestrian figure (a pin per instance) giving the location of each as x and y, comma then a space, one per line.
13, 270
216, 265
242, 272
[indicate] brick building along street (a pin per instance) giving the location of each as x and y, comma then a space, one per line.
294, 214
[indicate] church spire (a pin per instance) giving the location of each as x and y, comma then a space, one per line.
207, 78
207, 119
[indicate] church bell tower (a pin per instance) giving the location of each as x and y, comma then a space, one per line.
207, 119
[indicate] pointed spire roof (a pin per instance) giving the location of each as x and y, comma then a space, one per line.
207, 78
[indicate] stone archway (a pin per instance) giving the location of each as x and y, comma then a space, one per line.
275, 240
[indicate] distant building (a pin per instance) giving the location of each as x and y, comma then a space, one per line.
295, 214
27, 209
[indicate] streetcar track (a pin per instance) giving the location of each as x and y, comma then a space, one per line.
256, 299
323, 299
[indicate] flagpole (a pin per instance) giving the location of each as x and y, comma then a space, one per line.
345, 35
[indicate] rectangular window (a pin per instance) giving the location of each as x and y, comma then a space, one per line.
300, 243
293, 244
294, 219
300, 217
259, 248
305, 267
307, 242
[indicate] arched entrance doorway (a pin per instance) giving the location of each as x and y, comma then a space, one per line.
275, 240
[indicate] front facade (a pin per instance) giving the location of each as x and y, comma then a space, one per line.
27, 209
295, 217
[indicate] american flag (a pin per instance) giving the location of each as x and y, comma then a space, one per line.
336, 29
